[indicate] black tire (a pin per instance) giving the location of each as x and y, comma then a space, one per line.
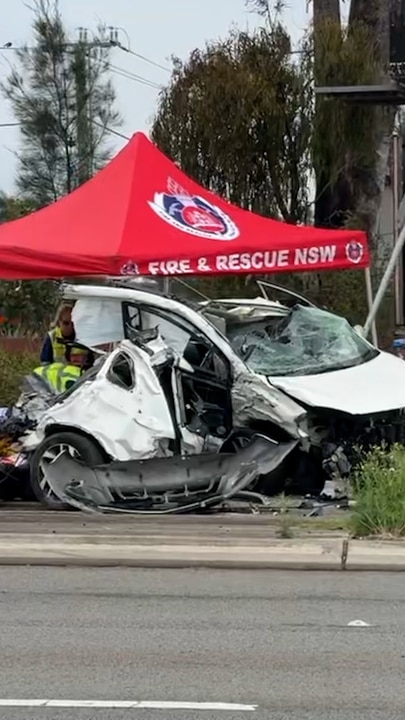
84, 449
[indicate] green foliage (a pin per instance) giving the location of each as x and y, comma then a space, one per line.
12, 208
28, 306
266, 8
60, 95
379, 492
236, 117
13, 367
344, 57
350, 139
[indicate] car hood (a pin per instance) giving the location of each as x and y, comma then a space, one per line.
373, 387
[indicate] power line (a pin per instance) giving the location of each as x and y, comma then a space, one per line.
141, 82
100, 125
144, 58
133, 76
128, 74
110, 130
113, 44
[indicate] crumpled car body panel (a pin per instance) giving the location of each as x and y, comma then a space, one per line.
165, 485
127, 423
253, 399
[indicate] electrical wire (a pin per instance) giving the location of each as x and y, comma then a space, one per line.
128, 74
144, 58
133, 76
116, 45
94, 122
110, 130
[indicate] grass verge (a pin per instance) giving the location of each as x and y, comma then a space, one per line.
379, 494
13, 367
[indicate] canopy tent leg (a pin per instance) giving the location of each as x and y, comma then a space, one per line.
385, 281
369, 291
395, 184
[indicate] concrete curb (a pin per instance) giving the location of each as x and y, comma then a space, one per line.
107, 551
375, 555
126, 551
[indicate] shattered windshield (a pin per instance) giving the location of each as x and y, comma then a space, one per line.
307, 341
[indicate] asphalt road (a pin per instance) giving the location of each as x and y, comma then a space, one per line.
277, 640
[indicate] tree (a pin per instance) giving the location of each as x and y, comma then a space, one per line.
350, 163
236, 116
351, 170
60, 95
29, 306
12, 208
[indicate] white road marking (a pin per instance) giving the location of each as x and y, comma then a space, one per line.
357, 623
128, 705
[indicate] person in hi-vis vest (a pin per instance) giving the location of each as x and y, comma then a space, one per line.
59, 376
54, 348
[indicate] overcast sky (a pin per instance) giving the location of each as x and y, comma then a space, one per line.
157, 29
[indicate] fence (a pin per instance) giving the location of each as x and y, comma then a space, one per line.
15, 345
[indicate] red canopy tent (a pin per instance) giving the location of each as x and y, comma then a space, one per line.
142, 215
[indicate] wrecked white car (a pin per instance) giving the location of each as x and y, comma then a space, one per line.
144, 431
300, 376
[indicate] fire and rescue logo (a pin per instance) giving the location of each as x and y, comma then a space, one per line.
354, 251
194, 215
130, 268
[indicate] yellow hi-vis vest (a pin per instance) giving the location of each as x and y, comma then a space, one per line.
59, 348
59, 375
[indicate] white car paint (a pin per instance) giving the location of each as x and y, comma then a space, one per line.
372, 387
128, 424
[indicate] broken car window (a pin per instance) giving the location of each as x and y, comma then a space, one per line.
176, 336
133, 316
307, 341
121, 372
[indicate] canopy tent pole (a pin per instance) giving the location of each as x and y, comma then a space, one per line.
385, 281
395, 184
369, 291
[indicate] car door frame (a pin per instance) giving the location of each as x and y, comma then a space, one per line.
196, 334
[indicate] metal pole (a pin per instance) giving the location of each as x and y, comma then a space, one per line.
399, 315
90, 164
385, 281
369, 292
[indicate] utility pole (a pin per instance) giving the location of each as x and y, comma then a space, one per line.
84, 118
83, 50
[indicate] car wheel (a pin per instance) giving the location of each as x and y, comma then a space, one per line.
78, 446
